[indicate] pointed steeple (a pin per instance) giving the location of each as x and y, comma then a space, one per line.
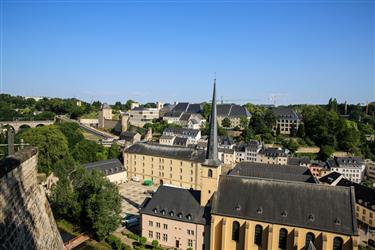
212, 155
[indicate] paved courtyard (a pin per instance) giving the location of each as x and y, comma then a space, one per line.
132, 195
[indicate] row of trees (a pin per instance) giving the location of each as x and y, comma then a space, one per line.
82, 197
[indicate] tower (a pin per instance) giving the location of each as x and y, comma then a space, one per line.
211, 168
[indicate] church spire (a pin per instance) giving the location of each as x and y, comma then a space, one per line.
212, 136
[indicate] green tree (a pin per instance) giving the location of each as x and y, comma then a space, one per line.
278, 130
269, 118
51, 143
206, 111
325, 152
72, 132
87, 151
155, 244
142, 240
301, 131
293, 130
114, 151
244, 122
226, 122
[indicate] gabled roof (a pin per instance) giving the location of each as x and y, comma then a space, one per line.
272, 171
314, 206
180, 141
273, 152
285, 112
232, 110
128, 135
185, 132
176, 204
107, 167
167, 151
182, 107
342, 162
298, 161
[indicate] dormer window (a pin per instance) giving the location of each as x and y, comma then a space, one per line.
259, 210
238, 207
337, 221
180, 215
311, 217
188, 217
155, 210
284, 213
163, 212
171, 213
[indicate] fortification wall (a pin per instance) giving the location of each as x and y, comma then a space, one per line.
26, 220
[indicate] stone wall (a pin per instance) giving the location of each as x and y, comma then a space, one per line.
26, 220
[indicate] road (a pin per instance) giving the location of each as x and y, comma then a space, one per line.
91, 130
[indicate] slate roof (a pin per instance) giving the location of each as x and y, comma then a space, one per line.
180, 201
185, 132
180, 141
173, 114
185, 117
286, 113
342, 162
106, 106
232, 110
107, 167
273, 152
272, 171
127, 135
182, 107
314, 206
298, 161
330, 178
225, 140
167, 151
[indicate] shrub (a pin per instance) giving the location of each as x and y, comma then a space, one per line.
142, 240
155, 244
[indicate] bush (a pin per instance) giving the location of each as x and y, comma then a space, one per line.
133, 236
142, 240
155, 244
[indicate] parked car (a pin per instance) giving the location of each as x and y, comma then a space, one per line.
136, 179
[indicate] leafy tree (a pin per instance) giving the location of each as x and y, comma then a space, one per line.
142, 241
278, 130
293, 130
128, 104
155, 244
226, 122
52, 145
206, 111
269, 118
248, 134
244, 122
258, 124
325, 152
301, 131
114, 151
96, 105
87, 151
72, 132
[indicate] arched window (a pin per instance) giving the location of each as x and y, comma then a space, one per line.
309, 237
283, 236
236, 231
337, 243
210, 173
258, 235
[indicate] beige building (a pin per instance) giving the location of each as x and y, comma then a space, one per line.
275, 156
246, 219
140, 116
179, 166
234, 112
286, 119
175, 218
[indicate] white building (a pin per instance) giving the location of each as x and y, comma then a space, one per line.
192, 135
352, 168
112, 169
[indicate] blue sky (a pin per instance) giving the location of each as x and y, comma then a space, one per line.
303, 51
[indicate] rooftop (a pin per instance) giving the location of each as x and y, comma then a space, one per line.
167, 151
177, 204
272, 171
285, 112
107, 167
315, 206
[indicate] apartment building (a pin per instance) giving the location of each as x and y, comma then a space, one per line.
234, 112
112, 169
192, 135
175, 218
286, 119
139, 116
276, 156
352, 168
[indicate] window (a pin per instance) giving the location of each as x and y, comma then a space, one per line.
165, 237
210, 173
157, 224
283, 235
150, 234
337, 243
190, 243
150, 223
309, 237
158, 235
258, 235
236, 231
165, 226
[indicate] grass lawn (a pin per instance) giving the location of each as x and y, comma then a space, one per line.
93, 246
68, 227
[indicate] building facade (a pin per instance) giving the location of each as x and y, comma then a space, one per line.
286, 120
139, 116
352, 168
